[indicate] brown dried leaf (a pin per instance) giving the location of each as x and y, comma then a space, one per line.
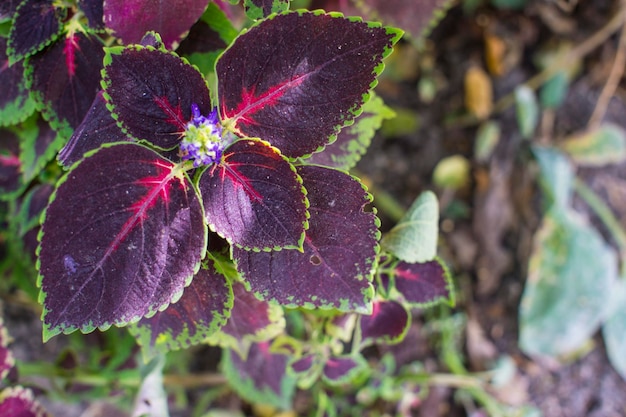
478, 93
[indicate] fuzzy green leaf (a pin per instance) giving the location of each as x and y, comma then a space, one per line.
414, 238
571, 276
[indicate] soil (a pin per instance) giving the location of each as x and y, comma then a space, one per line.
488, 248
487, 225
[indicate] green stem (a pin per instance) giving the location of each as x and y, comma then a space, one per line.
130, 378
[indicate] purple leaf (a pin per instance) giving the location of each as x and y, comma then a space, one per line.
261, 377
65, 79
97, 128
131, 19
304, 364
7, 361
307, 78
15, 101
150, 105
254, 198
36, 24
201, 38
422, 284
93, 10
10, 164
20, 402
250, 320
335, 268
342, 369
388, 322
207, 39
212, 33
202, 310
122, 236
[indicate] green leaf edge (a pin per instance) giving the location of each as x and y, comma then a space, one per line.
49, 332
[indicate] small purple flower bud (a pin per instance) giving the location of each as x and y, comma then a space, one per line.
202, 140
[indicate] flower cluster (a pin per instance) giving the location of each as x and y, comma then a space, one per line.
203, 138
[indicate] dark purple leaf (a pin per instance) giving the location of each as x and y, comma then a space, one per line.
10, 164
303, 364
201, 38
423, 284
262, 377
93, 10
257, 9
20, 402
97, 128
388, 322
296, 78
341, 369
15, 102
208, 38
121, 238
202, 310
37, 23
152, 105
7, 361
251, 320
65, 79
131, 19
204, 36
254, 198
335, 268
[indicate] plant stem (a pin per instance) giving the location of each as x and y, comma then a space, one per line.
612, 82
126, 378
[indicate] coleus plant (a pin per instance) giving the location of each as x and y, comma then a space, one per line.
126, 229
195, 204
